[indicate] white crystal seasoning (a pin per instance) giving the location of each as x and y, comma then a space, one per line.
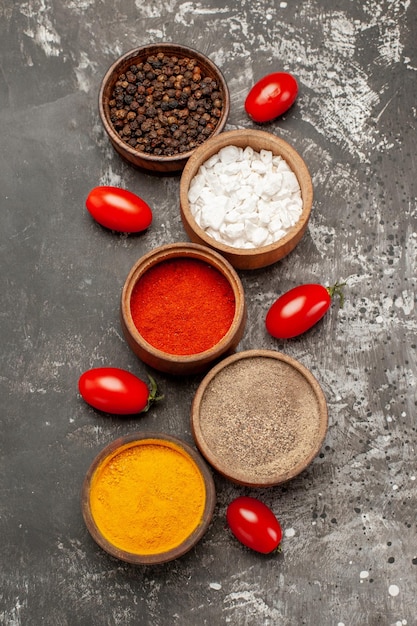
244, 198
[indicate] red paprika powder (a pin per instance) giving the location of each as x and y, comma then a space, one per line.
182, 306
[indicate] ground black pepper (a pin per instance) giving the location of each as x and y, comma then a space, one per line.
260, 418
165, 105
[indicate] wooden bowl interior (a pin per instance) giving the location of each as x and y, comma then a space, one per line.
258, 140
245, 477
178, 364
141, 159
194, 537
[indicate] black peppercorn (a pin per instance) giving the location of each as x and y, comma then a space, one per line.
165, 105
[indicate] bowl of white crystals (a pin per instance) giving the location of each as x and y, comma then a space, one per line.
247, 194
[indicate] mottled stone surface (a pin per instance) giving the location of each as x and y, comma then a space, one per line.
349, 554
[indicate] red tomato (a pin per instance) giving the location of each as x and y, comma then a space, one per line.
297, 310
119, 209
254, 524
115, 390
271, 96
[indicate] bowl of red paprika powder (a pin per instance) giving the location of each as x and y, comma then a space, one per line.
159, 102
182, 308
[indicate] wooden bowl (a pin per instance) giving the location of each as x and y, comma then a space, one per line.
103, 501
259, 418
152, 162
189, 363
242, 258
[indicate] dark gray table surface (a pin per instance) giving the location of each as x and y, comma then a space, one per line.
349, 554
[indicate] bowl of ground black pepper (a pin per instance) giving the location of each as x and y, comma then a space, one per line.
182, 308
259, 417
159, 102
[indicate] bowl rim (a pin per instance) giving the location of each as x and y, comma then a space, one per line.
171, 441
148, 49
243, 137
193, 251
215, 461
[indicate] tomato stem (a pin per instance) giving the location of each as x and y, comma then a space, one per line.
154, 396
337, 290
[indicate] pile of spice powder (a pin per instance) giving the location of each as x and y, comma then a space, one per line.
259, 417
182, 306
148, 498
165, 105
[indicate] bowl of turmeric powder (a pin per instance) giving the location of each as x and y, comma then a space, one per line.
182, 308
148, 498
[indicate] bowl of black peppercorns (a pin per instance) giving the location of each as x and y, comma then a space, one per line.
159, 102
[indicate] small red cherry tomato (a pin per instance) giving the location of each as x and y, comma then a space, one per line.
299, 309
254, 524
118, 209
271, 96
114, 390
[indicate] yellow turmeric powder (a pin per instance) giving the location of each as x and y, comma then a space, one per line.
148, 497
